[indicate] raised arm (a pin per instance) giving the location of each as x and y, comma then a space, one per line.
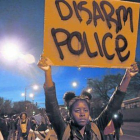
131, 72
45, 65
116, 99
52, 107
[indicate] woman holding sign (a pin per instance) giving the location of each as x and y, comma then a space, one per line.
80, 127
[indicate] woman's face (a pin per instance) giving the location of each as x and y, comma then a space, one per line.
23, 116
80, 113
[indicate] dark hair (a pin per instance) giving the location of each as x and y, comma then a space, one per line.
23, 113
68, 96
86, 93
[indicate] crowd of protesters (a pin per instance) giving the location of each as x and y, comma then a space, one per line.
22, 127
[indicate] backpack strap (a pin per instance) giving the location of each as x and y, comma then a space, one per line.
96, 130
66, 134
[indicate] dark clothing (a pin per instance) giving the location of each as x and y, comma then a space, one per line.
118, 121
13, 126
117, 124
4, 128
33, 125
42, 127
58, 123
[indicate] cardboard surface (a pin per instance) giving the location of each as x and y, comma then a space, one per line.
91, 34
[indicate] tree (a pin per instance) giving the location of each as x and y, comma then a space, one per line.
5, 106
101, 92
97, 105
23, 106
104, 88
1, 105
18, 107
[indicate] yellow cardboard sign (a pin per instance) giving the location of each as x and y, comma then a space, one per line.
93, 33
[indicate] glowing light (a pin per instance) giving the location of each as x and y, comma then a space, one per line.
10, 51
79, 68
22, 94
115, 116
89, 89
74, 84
31, 95
35, 87
29, 58
33, 112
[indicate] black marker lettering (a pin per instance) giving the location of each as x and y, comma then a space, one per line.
95, 10
119, 50
57, 3
90, 54
98, 44
76, 11
58, 44
109, 57
79, 37
125, 15
81, 8
108, 16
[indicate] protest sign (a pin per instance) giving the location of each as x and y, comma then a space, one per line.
91, 33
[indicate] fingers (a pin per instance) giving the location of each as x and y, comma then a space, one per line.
43, 58
134, 68
43, 61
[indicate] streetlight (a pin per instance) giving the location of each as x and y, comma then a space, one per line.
22, 94
74, 84
35, 87
10, 50
89, 90
31, 95
79, 68
33, 113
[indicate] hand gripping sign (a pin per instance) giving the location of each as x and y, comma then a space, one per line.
93, 33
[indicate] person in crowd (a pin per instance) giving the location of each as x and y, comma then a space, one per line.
16, 125
42, 128
38, 127
118, 121
79, 108
4, 127
33, 125
109, 131
12, 133
23, 127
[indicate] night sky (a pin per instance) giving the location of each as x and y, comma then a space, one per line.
22, 21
